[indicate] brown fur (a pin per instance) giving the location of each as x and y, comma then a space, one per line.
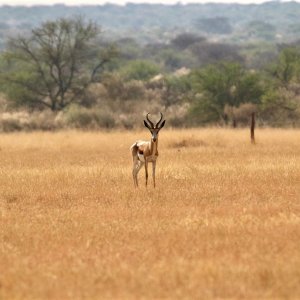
149, 149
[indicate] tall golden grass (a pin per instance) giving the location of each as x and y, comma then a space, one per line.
223, 222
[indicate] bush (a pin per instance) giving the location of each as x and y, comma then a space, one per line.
177, 115
114, 85
140, 70
23, 120
114, 88
134, 90
79, 117
9, 125
242, 114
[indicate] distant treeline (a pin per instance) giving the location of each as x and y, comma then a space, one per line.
71, 72
274, 20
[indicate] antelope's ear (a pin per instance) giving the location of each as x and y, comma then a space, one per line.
146, 124
162, 124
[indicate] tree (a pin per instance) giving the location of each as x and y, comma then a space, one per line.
215, 25
184, 40
281, 100
139, 70
54, 65
223, 84
287, 67
209, 53
177, 90
260, 29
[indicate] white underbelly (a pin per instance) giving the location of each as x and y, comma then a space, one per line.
141, 157
149, 158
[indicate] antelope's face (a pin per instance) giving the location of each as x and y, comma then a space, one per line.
154, 134
154, 129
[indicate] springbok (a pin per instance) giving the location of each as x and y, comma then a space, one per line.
144, 152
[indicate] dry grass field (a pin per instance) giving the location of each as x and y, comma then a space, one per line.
223, 222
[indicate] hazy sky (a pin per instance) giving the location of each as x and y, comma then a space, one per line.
121, 2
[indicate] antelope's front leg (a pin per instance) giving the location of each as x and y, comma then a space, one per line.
153, 171
146, 171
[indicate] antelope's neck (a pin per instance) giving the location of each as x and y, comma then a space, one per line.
153, 147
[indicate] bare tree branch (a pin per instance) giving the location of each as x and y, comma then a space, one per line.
56, 54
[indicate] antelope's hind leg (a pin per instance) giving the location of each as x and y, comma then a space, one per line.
137, 165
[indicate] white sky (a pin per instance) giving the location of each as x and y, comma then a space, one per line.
120, 2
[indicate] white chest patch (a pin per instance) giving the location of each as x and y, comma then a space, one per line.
141, 157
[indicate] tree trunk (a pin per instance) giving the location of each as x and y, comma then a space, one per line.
234, 123
252, 128
53, 106
225, 118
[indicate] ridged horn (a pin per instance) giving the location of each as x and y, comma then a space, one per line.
161, 117
152, 125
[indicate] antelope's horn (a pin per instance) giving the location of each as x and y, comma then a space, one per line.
152, 125
161, 117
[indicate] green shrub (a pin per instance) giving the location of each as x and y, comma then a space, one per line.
140, 70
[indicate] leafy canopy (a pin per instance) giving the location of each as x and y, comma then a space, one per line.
222, 84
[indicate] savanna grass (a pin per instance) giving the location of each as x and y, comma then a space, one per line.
223, 222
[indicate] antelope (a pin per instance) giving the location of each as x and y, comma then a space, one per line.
144, 152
